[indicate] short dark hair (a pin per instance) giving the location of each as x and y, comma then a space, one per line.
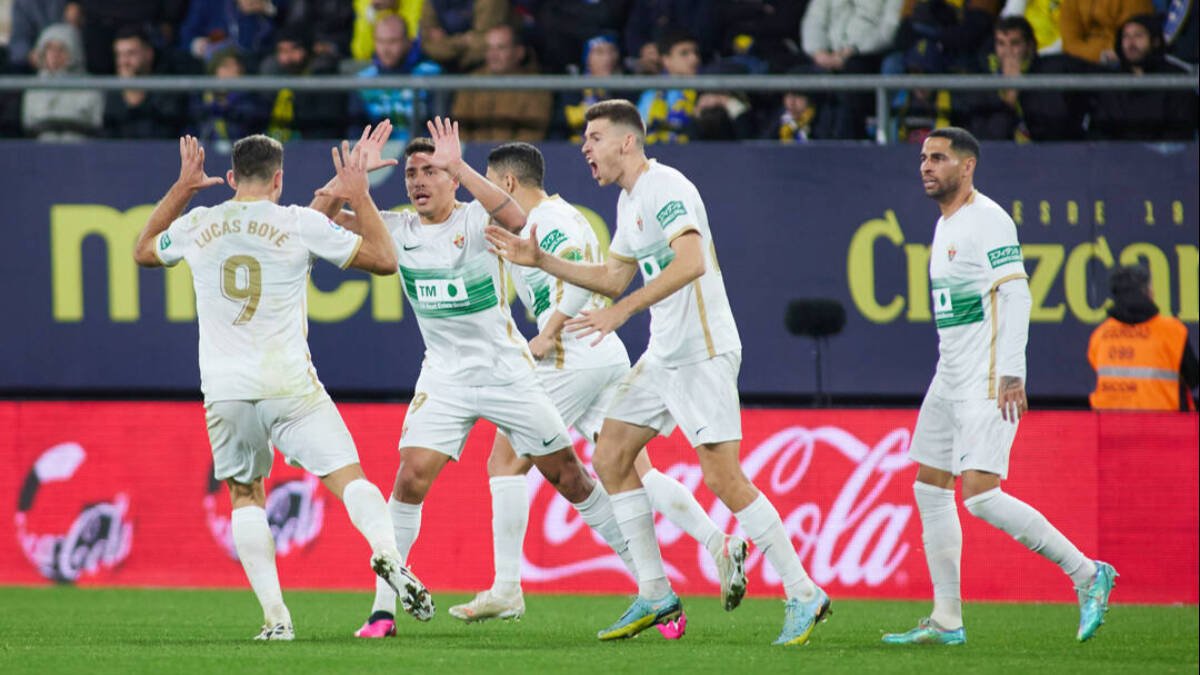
1127, 279
134, 30
618, 111
961, 140
523, 160
257, 158
419, 144
672, 37
1008, 24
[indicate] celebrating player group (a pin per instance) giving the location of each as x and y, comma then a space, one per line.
250, 260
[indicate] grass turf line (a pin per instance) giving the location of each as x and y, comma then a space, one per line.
202, 631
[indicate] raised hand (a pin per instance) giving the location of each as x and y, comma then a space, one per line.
371, 143
447, 148
514, 248
191, 166
351, 179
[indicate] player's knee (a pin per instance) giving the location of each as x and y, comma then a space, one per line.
412, 483
980, 505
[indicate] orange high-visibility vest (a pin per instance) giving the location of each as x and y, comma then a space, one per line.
1137, 365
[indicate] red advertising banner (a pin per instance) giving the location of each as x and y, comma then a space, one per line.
121, 494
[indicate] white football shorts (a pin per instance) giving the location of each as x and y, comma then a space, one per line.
308, 430
441, 415
957, 436
701, 397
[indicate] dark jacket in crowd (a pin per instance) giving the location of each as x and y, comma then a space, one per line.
1040, 115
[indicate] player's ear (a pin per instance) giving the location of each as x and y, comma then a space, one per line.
277, 180
230, 180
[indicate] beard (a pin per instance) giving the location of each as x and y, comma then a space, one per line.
943, 189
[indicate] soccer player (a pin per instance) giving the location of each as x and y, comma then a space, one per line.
477, 364
581, 381
250, 259
969, 417
688, 375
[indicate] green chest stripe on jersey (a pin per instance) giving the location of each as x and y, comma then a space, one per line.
541, 299
955, 304
447, 293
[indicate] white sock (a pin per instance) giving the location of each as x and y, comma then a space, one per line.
1028, 526
369, 513
632, 512
510, 516
678, 505
597, 512
256, 549
761, 522
406, 523
942, 536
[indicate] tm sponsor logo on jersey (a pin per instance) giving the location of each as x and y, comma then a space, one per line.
437, 291
670, 212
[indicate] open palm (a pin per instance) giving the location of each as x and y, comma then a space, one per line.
447, 148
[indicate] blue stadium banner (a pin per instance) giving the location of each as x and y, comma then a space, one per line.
847, 222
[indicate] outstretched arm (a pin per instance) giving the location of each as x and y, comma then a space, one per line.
192, 179
687, 266
609, 278
448, 156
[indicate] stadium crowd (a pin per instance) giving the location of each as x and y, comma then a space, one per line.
669, 38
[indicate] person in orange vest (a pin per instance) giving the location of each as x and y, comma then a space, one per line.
1143, 360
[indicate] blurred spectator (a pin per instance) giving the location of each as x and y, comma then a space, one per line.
843, 37
723, 116
29, 19
1089, 27
368, 12
395, 54
61, 114
1042, 15
601, 58
762, 30
566, 25
1180, 31
956, 31
670, 113
136, 113
454, 32
331, 21
1150, 115
801, 118
503, 115
103, 18
1039, 115
650, 20
213, 24
305, 114
220, 116
1143, 360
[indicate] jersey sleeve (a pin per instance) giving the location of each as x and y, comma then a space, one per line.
1000, 250
325, 238
670, 207
620, 247
558, 241
170, 245
477, 219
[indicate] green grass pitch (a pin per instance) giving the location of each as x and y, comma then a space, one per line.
55, 630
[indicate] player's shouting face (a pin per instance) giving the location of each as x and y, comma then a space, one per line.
430, 190
602, 146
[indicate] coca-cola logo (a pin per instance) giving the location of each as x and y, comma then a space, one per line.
295, 511
100, 537
854, 538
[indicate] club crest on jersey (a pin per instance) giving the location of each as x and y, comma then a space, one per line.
951, 252
459, 240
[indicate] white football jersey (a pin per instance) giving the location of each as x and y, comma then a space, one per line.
250, 263
564, 232
694, 323
456, 287
974, 251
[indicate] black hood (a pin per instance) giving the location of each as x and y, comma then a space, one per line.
1132, 306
